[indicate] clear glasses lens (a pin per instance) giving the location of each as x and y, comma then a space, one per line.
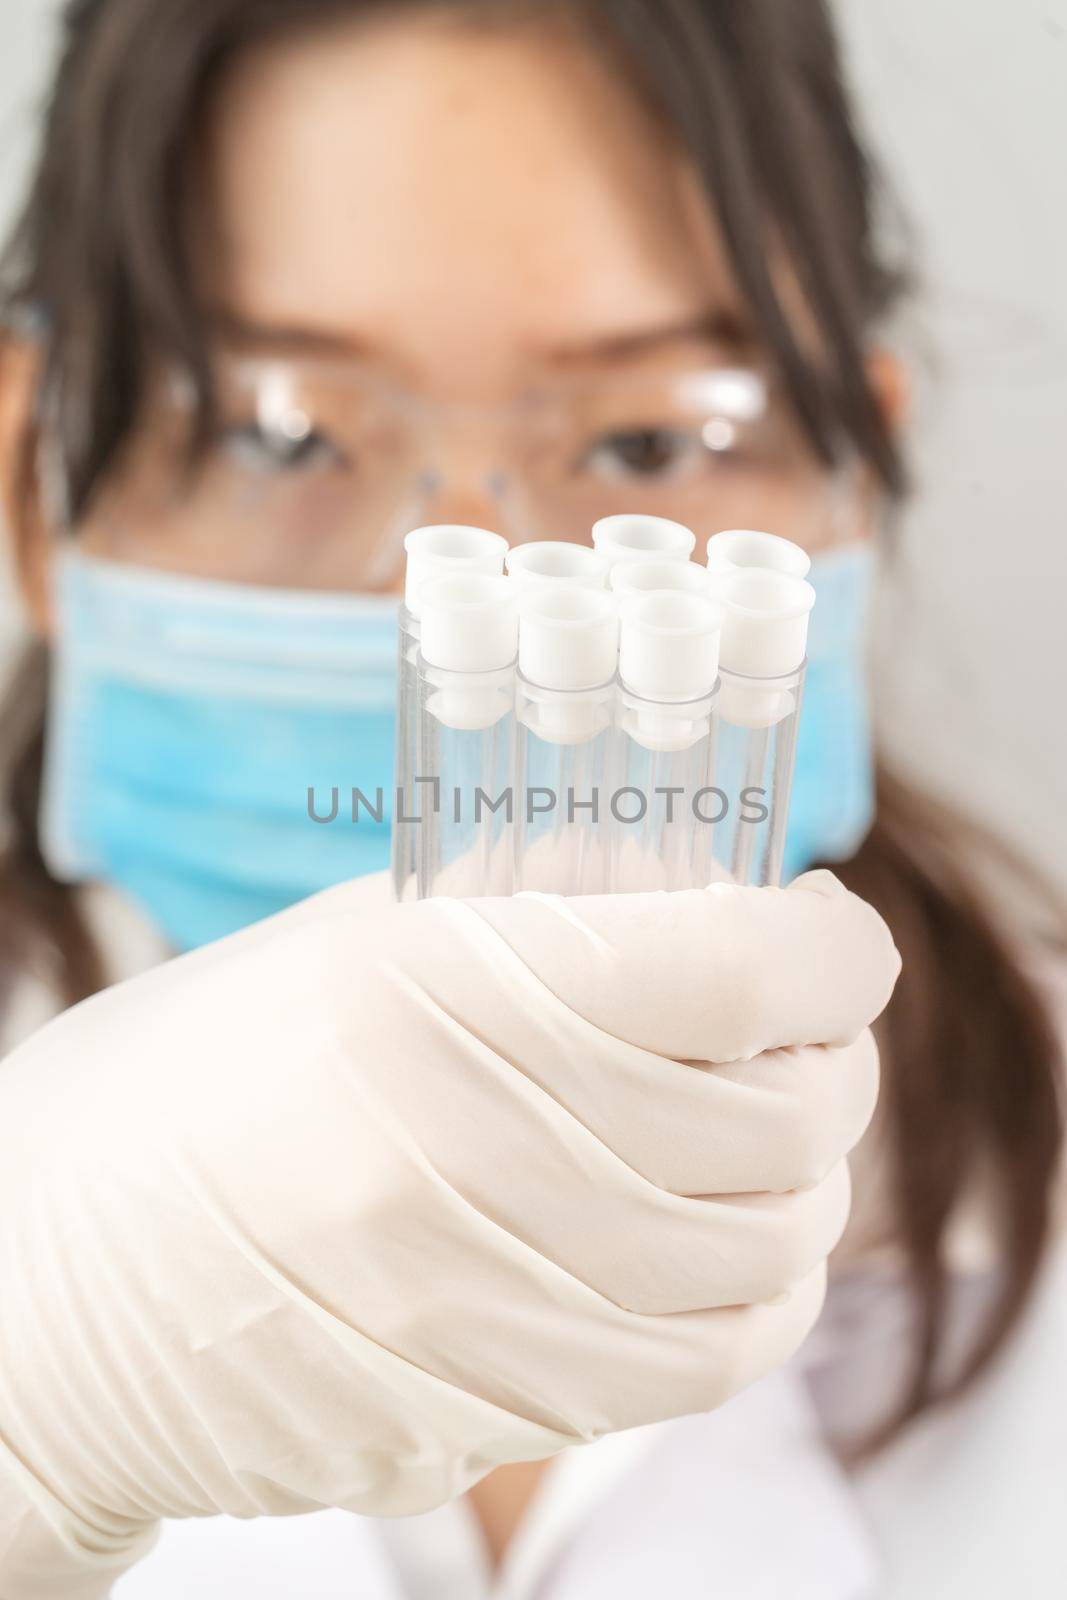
314, 471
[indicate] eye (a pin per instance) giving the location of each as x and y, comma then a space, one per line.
271, 450
644, 453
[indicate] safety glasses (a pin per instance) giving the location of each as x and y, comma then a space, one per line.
313, 470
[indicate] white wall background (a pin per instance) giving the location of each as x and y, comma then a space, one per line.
26, 30
968, 101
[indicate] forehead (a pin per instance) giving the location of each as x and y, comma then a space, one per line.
455, 196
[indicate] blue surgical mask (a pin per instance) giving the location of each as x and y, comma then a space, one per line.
188, 719
832, 806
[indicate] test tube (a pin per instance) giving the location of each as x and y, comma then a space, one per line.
544, 563
431, 552
668, 663
735, 548
630, 537
761, 680
465, 726
640, 577
565, 700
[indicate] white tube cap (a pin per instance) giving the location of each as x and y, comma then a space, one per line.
541, 563
640, 577
448, 547
630, 537
669, 645
667, 728
468, 639
469, 622
745, 547
568, 638
567, 716
765, 628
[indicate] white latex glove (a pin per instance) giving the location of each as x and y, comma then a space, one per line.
350, 1208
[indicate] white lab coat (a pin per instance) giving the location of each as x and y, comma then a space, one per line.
745, 1503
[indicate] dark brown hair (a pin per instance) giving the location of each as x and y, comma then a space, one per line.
754, 89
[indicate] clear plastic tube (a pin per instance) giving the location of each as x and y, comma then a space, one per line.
431, 552
761, 684
466, 760
755, 747
466, 728
668, 660
665, 759
565, 740
562, 789
404, 838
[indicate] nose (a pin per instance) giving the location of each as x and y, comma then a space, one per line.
437, 499
475, 505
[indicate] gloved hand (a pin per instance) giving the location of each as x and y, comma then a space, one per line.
351, 1208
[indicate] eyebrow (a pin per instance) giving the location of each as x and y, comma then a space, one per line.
720, 327
250, 335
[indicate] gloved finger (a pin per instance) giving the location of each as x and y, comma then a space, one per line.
673, 1366
777, 1122
815, 1104
401, 1261
521, 1157
588, 1367
568, 1198
651, 1252
478, 1023
716, 974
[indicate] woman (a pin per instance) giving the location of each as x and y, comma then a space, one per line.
295, 277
